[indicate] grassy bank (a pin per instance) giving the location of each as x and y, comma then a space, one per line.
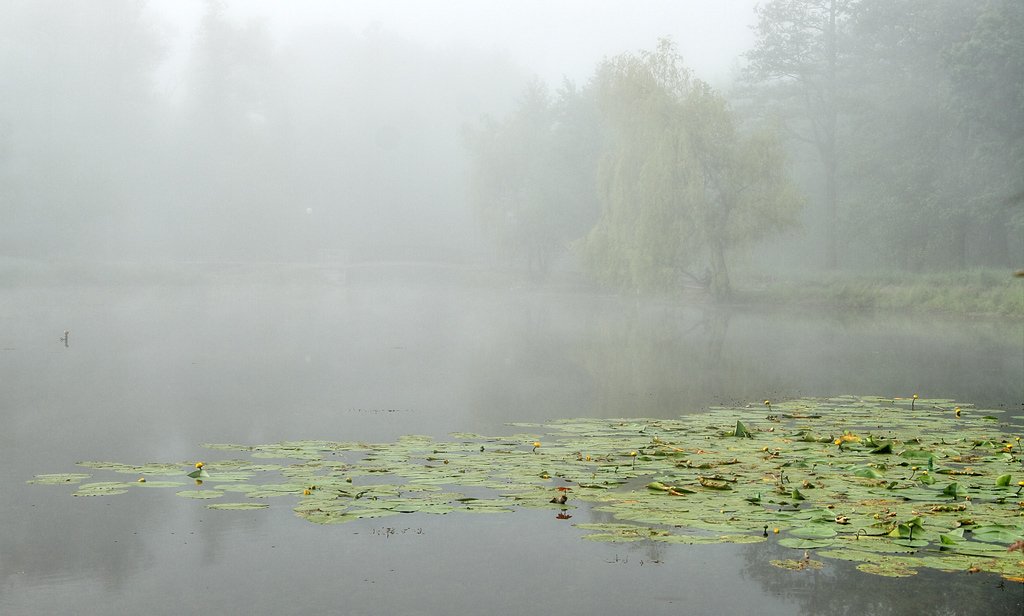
969, 293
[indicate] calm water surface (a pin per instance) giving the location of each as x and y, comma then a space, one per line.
151, 372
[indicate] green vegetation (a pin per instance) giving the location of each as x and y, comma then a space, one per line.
647, 172
912, 111
968, 293
894, 484
902, 124
680, 185
532, 184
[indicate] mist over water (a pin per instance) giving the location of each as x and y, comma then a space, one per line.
252, 222
152, 372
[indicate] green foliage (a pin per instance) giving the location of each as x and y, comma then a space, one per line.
532, 178
968, 293
796, 63
937, 127
914, 111
680, 185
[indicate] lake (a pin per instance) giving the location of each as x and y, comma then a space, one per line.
152, 371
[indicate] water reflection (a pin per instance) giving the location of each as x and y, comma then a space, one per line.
840, 589
154, 372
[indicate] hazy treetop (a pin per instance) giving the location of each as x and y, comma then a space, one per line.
551, 39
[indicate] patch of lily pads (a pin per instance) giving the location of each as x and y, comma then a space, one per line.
895, 485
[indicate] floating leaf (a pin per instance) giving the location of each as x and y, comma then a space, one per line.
237, 506
813, 532
798, 565
882, 447
998, 533
867, 472
804, 544
102, 488
200, 493
59, 478
887, 569
685, 485
158, 484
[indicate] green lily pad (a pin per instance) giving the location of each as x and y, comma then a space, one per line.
201, 494
102, 488
59, 478
887, 569
158, 484
813, 532
686, 484
803, 564
998, 533
868, 473
237, 506
805, 544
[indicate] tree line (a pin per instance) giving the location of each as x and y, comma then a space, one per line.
118, 142
889, 134
859, 134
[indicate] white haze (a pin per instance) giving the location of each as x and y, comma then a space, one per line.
552, 39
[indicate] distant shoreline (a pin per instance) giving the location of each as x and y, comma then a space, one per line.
984, 293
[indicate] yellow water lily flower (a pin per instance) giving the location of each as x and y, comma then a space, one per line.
200, 464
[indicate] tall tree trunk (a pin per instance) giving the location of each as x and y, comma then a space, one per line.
829, 155
721, 289
831, 213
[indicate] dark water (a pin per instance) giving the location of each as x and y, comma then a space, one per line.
152, 372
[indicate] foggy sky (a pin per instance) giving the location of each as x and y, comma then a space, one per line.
550, 39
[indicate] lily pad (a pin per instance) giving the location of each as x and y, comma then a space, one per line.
237, 506
887, 569
201, 494
688, 482
805, 544
59, 478
803, 564
102, 488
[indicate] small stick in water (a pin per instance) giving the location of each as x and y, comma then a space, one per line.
64, 339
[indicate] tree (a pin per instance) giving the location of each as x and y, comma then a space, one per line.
228, 164
986, 72
77, 109
797, 52
937, 128
681, 186
533, 174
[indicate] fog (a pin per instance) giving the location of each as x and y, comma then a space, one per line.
251, 221
259, 131
366, 131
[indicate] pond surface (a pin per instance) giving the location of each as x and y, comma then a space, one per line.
153, 371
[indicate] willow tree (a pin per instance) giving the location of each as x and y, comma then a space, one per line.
681, 186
